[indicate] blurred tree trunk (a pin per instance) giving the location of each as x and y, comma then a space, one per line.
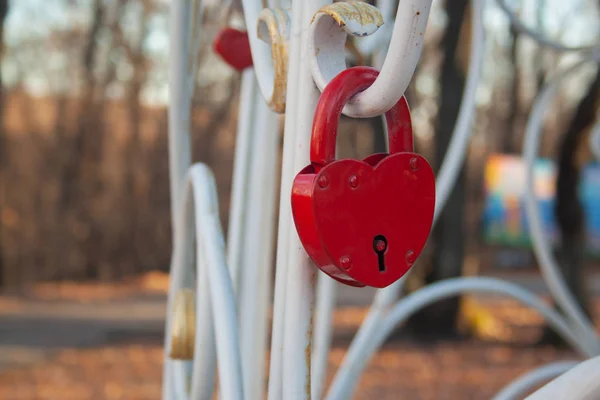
507, 138
3, 14
74, 165
569, 211
447, 237
134, 191
80, 173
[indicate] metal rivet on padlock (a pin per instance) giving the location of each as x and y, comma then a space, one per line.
411, 257
345, 262
323, 181
414, 163
363, 222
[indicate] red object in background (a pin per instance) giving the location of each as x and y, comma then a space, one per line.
234, 47
363, 223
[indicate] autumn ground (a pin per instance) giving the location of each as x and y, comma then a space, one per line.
77, 341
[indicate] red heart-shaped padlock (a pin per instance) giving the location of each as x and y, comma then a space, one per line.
234, 47
363, 222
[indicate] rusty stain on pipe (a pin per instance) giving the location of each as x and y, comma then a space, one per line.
355, 17
274, 28
184, 325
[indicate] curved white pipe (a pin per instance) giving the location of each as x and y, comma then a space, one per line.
579, 383
261, 52
523, 384
449, 170
586, 51
457, 149
209, 239
200, 202
326, 54
347, 377
542, 248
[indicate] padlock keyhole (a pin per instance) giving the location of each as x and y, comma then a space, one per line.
380, 246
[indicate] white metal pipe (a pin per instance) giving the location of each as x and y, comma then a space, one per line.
179, 145
285, 212
581, 382
239, 184
200, 204
542, 247
325, 299
179, 103
210, 244
204, 369
301, 272
182, 275
266, 260
348, 375
523, 384
254, 286
378, 43
327, 57
387, 8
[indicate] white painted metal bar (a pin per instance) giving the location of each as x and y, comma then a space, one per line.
525, 383
387, 8
301, 273
325, 304
239, 184
202, 375
275, 390
327, 57
211, 245
254, 293
179, 103
179, 141
542, 247
348, 375
267, 252
579, 383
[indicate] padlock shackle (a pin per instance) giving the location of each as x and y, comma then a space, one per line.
329, 109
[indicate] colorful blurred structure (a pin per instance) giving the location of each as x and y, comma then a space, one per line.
504, 218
